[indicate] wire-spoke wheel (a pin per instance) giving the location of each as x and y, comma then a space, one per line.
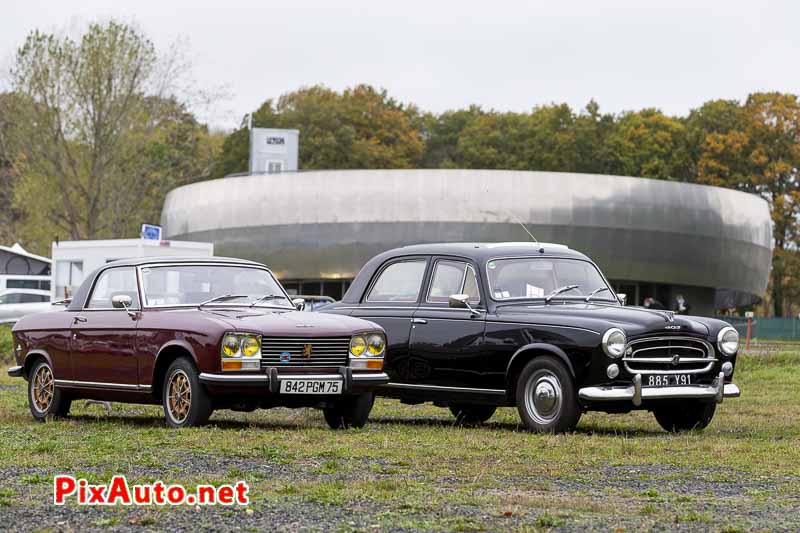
179, 394
186, 402
44, 398
546, 396
43, 388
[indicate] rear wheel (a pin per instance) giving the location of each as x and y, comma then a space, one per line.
44, 399
685, 416
186, 402
472, 414
350, 411
546, 398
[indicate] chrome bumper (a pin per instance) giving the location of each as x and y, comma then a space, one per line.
15, 371
635, 393
271, 380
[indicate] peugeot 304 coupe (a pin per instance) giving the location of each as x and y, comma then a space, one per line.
537, 326
195, 335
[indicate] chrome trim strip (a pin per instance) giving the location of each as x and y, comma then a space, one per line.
324, 377
412, 386
100, 385
372, 376
234, 378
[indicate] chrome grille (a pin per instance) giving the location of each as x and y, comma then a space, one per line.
669, 355
325, 351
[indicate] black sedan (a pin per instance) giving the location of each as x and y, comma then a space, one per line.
537, 326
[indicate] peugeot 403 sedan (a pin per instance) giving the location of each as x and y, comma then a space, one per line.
195, 335
536, 326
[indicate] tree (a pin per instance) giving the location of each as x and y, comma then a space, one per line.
441, 134
358, 128
761, 155
649, 144
90, 115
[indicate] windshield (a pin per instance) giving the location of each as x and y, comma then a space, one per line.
197, 284
530, 278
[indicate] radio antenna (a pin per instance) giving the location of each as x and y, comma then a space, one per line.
523, 226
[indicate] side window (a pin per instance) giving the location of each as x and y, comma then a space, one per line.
471, 286
448, 277
11, 298
111, 283
453, 277
399, 282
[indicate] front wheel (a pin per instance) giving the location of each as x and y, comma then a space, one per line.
546, 398
350, 411
472, 414
44, 399
186, 402
685, 416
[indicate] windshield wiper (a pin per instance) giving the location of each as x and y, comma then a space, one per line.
267, 297
558, 291
223, 298
598, 289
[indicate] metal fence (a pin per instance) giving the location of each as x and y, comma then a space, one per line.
773, 329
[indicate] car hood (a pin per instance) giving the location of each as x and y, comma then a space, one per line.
598, 317
280, 323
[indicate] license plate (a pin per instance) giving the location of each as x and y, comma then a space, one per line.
310, 386
667, 380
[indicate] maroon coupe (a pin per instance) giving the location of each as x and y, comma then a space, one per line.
196, 335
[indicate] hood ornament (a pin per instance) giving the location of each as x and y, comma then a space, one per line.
670, 316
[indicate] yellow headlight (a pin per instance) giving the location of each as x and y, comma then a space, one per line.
250, 346
230, 345
376, 344
357, 346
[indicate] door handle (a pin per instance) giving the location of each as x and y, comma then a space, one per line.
418, 321
79, 318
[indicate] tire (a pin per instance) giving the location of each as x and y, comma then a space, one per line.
349, 412
685, 416
546, 397
472, 414
186, 402
44, 399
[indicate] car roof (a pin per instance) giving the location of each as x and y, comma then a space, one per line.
138, 261
488, 250
26, 291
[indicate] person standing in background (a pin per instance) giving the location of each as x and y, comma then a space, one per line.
681, 306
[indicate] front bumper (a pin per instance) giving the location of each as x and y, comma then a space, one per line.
15, 371
635, 393
271, 380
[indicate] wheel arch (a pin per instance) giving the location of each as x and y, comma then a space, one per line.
526, 354
30, 359
166, 355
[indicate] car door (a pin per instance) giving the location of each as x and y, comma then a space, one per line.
390, 300
447, 341
103, 347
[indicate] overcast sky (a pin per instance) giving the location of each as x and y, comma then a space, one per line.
506, 55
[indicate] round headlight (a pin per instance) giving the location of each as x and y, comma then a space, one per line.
728, 340
250, 346
614, 341
230, 345
358, 346
376, 344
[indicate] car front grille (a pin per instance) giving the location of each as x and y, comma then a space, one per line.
669, 355
294, 352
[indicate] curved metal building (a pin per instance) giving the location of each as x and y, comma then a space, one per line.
652, 238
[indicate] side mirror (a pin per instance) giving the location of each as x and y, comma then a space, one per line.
299, 303
459, 301
622, 297
121, 301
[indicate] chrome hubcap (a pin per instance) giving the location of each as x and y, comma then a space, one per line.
179, 396
543, 397
42, 389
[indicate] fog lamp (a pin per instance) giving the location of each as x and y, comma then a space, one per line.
612, 371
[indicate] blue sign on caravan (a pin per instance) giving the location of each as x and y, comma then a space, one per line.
151, 232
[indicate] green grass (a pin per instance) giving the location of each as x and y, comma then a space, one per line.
6, 346
413, 468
